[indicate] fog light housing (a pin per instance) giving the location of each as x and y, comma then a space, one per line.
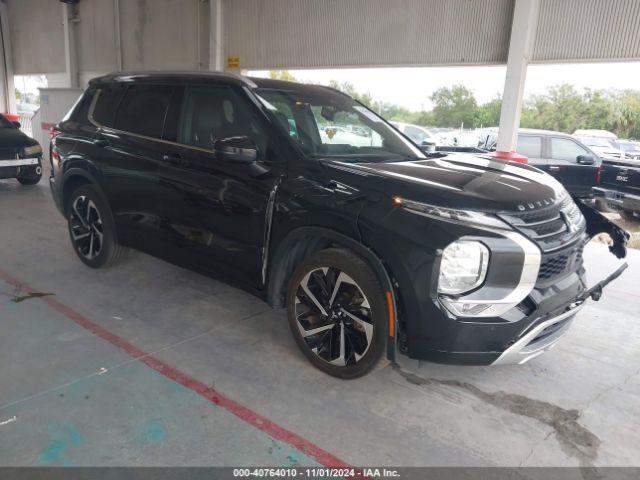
463, 267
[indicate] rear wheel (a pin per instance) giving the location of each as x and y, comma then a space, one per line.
337, 313
91, 229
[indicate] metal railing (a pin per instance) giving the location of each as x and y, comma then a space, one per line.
26, 123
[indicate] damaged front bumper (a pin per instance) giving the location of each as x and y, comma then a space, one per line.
515, 342
547, 331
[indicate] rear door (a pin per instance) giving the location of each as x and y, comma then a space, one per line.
563, 164
219, 210
531, 146
132, 152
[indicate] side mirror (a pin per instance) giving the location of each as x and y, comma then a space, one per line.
586, 160
16, 124
236, 149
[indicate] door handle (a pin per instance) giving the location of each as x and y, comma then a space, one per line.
100, 141
175, 160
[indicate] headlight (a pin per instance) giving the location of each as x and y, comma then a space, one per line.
463, 267
468, 217
32, 151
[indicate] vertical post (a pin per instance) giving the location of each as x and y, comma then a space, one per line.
216, 35
523, 31
116, 34
7, 87
69, 17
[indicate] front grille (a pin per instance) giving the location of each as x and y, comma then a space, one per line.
8, 153
557, 264
550, 227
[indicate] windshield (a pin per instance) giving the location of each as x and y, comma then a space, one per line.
327, 124
596, 142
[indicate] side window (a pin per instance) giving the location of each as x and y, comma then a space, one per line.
529, 146
565, 149
107, 103
143, 110
80, 110
215, 113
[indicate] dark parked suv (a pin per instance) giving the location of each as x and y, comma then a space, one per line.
370, 245
562, 156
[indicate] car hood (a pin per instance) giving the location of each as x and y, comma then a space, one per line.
14, 138
456, 181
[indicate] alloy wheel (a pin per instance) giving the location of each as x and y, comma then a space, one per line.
333, 316
87, 232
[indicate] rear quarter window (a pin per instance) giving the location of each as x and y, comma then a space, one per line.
529, 146
107, 103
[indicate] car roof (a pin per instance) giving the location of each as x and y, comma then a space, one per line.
197, 76
171, 77
533, 131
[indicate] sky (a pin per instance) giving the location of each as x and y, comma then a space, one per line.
411, 87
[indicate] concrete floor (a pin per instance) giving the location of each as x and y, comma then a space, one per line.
220, 381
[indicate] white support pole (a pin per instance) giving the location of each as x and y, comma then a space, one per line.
523, 31
7, 87
116, 34
216, 36
69, 18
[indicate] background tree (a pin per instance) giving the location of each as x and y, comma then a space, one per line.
454, 106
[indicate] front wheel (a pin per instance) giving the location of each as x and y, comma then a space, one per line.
91, 228
336, 311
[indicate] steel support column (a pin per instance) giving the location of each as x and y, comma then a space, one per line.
523, 30
7, 87
69, 18
216, 36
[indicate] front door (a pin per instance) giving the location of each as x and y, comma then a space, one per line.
220, 218
563, 164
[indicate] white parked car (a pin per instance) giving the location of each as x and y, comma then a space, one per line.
416, 133
600, 141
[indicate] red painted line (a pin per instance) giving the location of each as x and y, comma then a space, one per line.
245, 414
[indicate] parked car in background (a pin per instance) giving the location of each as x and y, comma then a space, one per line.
371, 249
418, 135
601, 142
20, 155
619, 187
631, 148
562, 156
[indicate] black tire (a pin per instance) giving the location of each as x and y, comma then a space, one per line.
31, 178
603, 206
628, 215
355, 318
91, 228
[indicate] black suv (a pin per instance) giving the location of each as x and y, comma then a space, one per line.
370, 245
